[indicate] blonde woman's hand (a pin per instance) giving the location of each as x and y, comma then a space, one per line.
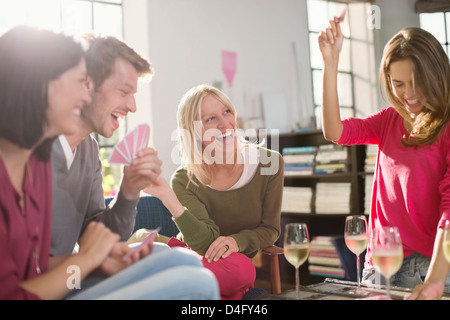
222, 247
158, 188
162, 190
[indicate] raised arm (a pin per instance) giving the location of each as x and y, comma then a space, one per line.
330, 44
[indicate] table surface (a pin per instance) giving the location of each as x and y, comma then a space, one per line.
334, 289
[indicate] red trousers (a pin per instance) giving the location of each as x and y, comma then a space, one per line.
235, 274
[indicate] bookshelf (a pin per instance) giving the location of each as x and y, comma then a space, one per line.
354, 176
320, 222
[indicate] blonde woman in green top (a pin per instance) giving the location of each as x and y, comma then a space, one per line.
226, 197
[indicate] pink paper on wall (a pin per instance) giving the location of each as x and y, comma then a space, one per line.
229, 65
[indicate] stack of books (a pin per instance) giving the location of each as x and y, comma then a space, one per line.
368, 189
369, 167
299, 160
371, 158
333, 197
296, 200
324, 258
331, 158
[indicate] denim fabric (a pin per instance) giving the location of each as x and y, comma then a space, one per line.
412, 272
168, 275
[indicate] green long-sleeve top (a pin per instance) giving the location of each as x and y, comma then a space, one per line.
250, 214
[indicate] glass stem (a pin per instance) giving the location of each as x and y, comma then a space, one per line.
358, 271
297, 283
388, 288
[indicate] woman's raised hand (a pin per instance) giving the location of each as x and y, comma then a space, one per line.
330, 41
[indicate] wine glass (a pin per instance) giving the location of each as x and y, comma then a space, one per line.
387, 253
446, 244
356, 238
296, 248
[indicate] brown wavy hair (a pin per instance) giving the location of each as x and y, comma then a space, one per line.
431, 78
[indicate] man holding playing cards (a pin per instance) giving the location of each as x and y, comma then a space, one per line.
113, 71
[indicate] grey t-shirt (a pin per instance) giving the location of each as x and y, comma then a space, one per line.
78, 198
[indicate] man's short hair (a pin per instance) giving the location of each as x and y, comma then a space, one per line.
102, 54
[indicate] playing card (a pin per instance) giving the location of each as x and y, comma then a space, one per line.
149, 238
118, 157
144, 133
121, 153
125, 150
342, 15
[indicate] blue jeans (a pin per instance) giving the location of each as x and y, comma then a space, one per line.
165, 274
412, 272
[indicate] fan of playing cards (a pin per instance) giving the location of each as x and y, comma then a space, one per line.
126, 150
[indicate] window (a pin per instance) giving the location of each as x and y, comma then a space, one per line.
356, 72
438, 24
73, 17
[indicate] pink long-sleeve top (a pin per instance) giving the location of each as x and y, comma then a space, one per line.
24, 236
411, 187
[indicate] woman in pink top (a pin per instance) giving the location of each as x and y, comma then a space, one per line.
412, 178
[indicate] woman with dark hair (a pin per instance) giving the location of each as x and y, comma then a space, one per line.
30, 60
42, 89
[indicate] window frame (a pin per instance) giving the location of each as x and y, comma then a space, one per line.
351, 108
446, 19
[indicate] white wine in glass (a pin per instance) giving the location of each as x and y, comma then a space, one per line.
387, 253
296, 248
356, 238
446, 244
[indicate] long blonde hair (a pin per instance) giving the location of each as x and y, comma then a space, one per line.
189, 113
431, 77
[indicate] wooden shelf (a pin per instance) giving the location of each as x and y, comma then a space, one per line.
355, 175
318, 223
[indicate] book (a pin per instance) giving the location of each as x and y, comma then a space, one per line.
323, 258
299, 150
331, 158
333, 197
327, 261
371, 158
325, 271
296, 199
330, 257
299, 160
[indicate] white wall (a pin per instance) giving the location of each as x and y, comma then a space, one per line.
183, 39
394, 15
186, 41
136, 34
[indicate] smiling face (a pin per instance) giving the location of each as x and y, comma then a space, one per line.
66, 96
403, 86
219, 124
112, 100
